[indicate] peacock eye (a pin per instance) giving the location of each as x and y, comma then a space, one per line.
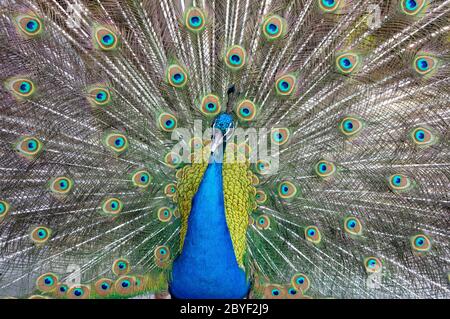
162, 256
280, 136
262, 167
46, 282
105, 39
399, 182
40, 235
424, 65
263, 222
421, 243
350, 126
78, 292
112, 206
260, 197
125, 285
120, 267
423, 137
164, 214
412, 7
167, 122
287, 190
292, 291
372, 265
29, 146
274, 292
103, 286
347, 63
172, 159
99, 96
235, 58
285, 85
210, 105
274, 27
4, 209
329, 5
352, 226
300, 282
312, 234
170, 190
195, 19
325, 169
176, 76
246, 110
22, 88
116, 142
61, 185
141, 178
29, 25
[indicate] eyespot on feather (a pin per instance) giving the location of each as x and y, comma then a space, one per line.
273, 291
285, 85
301, 282
125, 285
246, 110
274, 27
170, 190
79, 292
325, 169
141, 178
287, 190
263, 222
331, 6
162, 256
313, 235
40, 235
172, 160
423, 137
347, 63
116, 142
21, 87
47, 282
280, 136
350, 126
425, 65
195, 19
412, 7
210, 105
112, 206
373, 265
105, 38
4, 209
61, 185
99, 96
29, 146
420, 243
399, 182
176, 76
164, 214
352, 226
29, 25
104, 287
235, 58
121, 267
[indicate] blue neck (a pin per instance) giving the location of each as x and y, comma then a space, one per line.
207, 267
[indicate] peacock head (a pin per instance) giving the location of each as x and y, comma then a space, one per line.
222, 130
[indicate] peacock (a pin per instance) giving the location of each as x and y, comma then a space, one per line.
224, 149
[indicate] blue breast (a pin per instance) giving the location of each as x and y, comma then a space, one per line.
207, 267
